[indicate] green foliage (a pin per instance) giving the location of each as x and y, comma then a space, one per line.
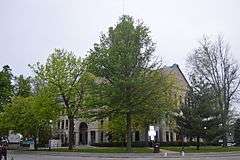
212, 63
199, 116
105, 150
22, 86
4, 125
116, 128
6, 88
65, 74
204, 149
237, 132
161, 102
28, 115
127, 81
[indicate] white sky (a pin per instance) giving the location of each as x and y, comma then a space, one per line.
30, 29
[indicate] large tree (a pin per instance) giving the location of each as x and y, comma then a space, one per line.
30, 115
65, 74
122, 62
199, 115
6, 88
212, 63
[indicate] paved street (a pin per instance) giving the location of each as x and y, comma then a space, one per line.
95, 156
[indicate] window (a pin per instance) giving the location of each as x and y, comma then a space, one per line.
178, 137
137, 137
171, 136
101, 123
66, 124
62, 127
156, 137
93, 136
62, 138
160, 135
167, 136
59, 124
101, 138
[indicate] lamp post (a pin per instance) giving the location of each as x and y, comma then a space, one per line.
182, 150
49, 142
220, 126
205, 133
182, 136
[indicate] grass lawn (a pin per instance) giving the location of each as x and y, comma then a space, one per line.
203, 149
105, 150
191, 149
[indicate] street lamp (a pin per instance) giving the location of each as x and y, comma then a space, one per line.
51, 121
49, 143
205, 132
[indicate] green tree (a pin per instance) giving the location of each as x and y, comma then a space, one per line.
4, 127
65, 75
122, 62
29, 115
237, 132
22, 86
212, 63
116, 129
6, 88
199, 115
157, 106
161, 104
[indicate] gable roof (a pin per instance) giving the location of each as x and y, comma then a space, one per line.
180, 71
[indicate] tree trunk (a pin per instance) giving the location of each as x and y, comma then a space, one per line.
71, 132
146, 135
198, 142
224, 136
129, 133
225, 130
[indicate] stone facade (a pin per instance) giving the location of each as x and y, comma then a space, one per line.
86, 133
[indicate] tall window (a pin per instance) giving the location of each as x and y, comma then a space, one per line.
160, 135
62, 127
66, 123
93, 136
156, 137
59, 124
171, 136
101, 138
167, 136
137, 137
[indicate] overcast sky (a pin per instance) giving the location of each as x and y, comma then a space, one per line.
31, 29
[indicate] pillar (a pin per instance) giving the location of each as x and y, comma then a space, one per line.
77, 138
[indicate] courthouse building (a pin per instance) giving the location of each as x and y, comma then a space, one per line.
86, 133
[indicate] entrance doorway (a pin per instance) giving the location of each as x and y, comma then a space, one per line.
83, 134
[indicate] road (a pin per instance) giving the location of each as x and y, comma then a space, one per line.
95, 156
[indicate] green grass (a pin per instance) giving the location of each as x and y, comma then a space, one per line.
203, 149
191, 149
105, 150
